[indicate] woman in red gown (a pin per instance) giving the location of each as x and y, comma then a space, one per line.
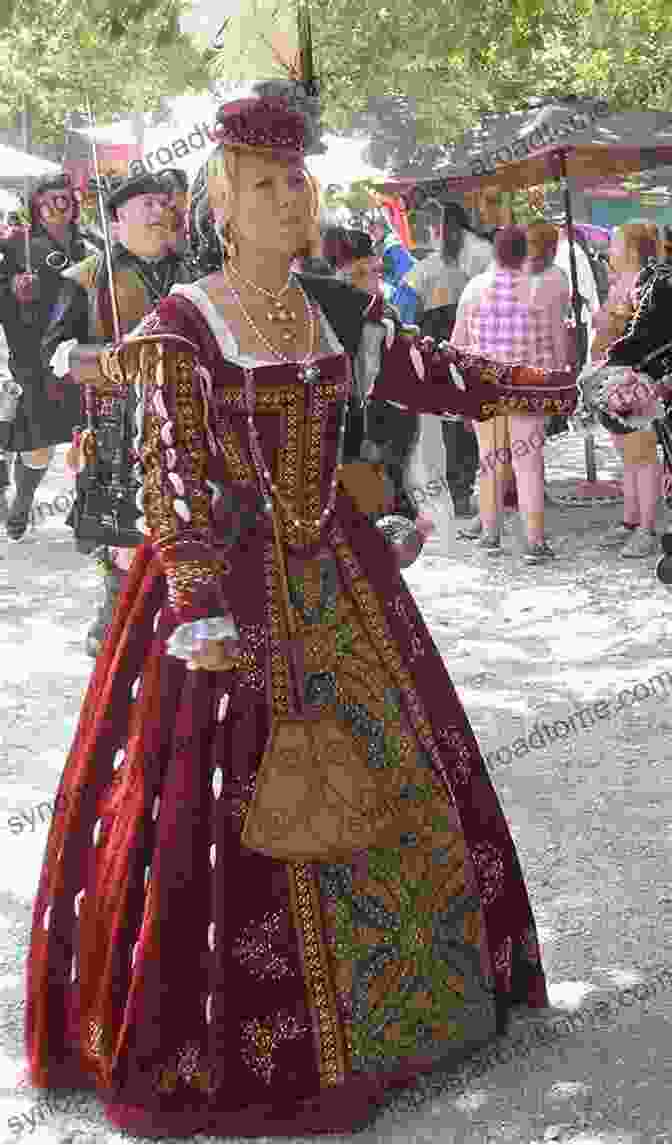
199, 985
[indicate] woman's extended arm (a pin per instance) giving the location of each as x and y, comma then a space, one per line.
173, 442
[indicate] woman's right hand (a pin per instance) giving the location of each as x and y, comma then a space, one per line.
215, 656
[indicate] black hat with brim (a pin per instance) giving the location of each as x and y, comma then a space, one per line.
60, 181
175, 179
130, 188
361, 244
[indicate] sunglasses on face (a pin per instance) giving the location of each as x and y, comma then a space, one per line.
57, 260
58, 202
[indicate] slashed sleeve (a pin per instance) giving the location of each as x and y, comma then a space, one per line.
173, 442
408, 371
460, 336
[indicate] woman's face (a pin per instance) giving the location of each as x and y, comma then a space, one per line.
56, 208
271, 203
144, 224
365, 274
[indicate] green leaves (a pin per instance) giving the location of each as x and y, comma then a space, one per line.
413, 77
451, 63
6, 13
123, 54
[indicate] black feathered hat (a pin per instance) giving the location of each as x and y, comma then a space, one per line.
61, 181
123, 190
175, 179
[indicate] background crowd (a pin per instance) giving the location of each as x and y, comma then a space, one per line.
501, 293
506, 295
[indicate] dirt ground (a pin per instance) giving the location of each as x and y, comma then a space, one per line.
590, 812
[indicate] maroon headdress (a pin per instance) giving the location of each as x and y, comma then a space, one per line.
262, 124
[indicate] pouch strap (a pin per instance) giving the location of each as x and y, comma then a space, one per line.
286, 605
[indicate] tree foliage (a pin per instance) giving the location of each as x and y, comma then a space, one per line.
119, 13
413, 77
355, 199
416, 76
124, 55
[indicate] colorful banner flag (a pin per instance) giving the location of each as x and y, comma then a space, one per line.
396, 215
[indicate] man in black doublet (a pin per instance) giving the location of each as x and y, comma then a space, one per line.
146, 263
47, 413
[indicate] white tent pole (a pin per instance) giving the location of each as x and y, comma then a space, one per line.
589, 440
26, 181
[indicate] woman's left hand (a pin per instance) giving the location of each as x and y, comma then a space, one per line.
215, 656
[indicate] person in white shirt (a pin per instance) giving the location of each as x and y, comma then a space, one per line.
586, 283
438, 282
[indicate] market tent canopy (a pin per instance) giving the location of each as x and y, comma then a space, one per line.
187, 145
523, 150
19, 165
576, 141
9, 201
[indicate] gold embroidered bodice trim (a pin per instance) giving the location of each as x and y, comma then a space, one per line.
299, 464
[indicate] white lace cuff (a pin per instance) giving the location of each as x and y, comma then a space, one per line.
368, 358
187, 638
60, 362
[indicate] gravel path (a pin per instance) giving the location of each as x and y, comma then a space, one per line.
590, 813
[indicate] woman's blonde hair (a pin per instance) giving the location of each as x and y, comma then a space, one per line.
542, 240
222, 182
641, 239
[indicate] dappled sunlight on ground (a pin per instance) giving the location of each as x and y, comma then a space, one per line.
569, 995
472, 1101
10, 1070
590, 811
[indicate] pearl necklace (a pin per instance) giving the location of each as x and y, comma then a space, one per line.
268, 487
281, 313
312, 325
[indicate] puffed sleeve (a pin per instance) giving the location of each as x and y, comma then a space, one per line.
173, 441
410, 372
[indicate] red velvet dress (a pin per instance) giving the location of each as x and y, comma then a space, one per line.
200, 986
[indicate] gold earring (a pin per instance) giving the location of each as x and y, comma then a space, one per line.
228, 240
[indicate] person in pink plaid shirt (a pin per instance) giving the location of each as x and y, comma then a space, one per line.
510, 316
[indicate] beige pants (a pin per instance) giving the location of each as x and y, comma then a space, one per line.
505, 441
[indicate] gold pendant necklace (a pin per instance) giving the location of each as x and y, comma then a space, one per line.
280, 312
287, 335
